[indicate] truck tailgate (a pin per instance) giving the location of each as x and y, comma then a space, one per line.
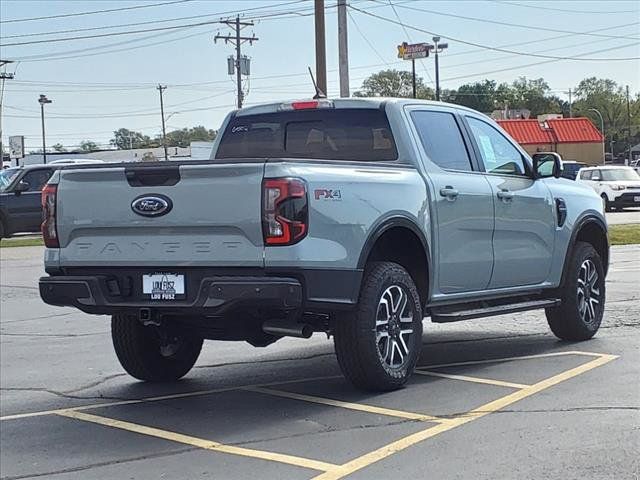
214, 219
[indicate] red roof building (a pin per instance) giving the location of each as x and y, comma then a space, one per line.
574, 139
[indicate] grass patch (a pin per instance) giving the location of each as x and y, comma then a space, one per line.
21, 242
624, 234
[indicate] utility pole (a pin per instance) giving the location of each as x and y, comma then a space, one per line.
43, 100
321, 49
437, 48
570, 105
3, 77
628, 160
343, 48
237, 40
161, 88
604, 138
413, 77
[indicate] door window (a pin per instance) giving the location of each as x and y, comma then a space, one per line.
37, 179
442, 140
498, 154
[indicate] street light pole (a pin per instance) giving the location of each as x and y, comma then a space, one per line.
43, 100
604, 137
437, 48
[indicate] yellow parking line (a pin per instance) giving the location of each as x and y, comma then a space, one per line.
512, 359
465, 378
399, 445
155, 399
200, 442
351, 406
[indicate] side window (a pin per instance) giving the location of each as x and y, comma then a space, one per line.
595, 175
442, 140
498, 154
585, 175
37, 178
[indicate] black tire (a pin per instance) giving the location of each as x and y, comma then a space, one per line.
579, 317
3, 230
607, 204
356, 335
140, 353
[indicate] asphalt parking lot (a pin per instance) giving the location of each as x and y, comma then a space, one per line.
492, 398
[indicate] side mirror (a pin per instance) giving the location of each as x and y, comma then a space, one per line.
22, 186
547, 164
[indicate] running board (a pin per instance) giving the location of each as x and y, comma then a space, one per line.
444, 314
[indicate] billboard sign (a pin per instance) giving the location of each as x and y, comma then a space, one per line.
16, 146
412, 51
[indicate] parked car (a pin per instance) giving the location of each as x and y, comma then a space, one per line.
20, 207
618, 186
352, 217
570, 169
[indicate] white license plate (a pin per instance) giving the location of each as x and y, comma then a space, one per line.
636, 199
163, 286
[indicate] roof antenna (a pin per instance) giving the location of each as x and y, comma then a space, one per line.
319, 93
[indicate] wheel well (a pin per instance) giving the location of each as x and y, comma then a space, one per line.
402, 246
593, 233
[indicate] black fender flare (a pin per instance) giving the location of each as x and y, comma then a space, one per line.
580, 224
385, 224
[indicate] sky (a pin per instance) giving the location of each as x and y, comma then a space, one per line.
100, 84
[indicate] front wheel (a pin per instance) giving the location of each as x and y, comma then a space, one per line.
150, 353
583, 296
606, 203
379, 343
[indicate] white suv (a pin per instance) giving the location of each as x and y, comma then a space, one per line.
618, 186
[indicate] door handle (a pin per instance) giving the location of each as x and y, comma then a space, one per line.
449, 192
505, 195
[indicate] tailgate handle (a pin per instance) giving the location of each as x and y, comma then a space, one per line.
152, 176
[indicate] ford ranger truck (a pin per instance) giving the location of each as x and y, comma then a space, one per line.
353, 217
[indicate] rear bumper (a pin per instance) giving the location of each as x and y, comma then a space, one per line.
211, 293
216, 295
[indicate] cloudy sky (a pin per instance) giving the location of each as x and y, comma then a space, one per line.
83, 55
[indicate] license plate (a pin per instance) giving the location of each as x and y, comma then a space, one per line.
636, 199
163, 286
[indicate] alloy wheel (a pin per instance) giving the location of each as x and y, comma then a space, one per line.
588, 291
394, 326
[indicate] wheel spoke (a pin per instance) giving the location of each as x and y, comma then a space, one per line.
392, 326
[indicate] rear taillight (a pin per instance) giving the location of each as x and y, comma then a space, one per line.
49, 227
285, 213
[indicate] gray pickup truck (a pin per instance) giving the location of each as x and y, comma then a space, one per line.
353, 217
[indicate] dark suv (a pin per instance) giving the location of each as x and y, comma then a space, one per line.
20, 205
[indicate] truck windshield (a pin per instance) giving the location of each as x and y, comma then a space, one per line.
332, 134
6, 177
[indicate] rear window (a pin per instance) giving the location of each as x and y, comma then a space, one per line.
330, 134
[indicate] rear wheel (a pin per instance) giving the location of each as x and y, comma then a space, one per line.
3, 230
583, 297
150, 353
379, 343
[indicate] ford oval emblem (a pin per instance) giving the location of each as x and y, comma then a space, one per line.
152, 205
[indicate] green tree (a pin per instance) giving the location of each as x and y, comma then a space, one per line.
58, 147
184, 137
481, 96
88, 146
125, 139
610, 100
393, 83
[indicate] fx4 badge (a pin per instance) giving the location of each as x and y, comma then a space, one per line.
324, 194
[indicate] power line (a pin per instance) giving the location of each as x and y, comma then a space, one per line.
149, 22
538, 7
488, 47
374, 49
511, 24
94, 12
